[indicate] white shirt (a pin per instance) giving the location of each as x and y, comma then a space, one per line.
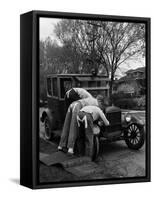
90, 101
81, 92
96, 113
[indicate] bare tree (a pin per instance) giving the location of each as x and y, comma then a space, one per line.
106, 44
119, 42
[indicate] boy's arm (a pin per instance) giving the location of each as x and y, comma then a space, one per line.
104, 119
67, 93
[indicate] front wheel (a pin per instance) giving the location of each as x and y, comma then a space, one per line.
134, 136
95, 152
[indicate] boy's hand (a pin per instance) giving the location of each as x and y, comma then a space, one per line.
100, 123
108, 124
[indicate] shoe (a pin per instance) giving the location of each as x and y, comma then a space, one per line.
70, 151
60, 148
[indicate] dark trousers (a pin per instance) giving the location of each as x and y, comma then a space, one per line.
88, 131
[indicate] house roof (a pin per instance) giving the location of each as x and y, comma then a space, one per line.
140, 69
124, 78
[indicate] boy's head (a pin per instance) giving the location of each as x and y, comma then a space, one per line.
106, 101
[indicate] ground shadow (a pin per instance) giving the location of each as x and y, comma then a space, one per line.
15, 180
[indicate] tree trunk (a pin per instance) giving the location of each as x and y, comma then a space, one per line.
111, 88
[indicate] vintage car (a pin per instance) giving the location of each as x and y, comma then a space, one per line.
122, 126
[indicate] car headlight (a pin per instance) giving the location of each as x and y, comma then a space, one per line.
96, 130
128, 118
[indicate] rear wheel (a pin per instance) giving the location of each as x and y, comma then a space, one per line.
134, 137
48, 131
95, 152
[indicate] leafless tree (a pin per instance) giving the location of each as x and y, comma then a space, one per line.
106, 44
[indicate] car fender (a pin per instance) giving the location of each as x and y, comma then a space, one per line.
46, 112
134, 120
50, 114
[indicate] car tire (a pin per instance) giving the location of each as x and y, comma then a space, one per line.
95, 151
134, 136
48, 132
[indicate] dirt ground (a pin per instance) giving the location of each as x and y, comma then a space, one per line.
116, 160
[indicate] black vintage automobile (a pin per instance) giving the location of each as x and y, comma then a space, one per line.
122, 126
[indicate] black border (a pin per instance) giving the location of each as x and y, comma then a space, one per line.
35, 98
26, 55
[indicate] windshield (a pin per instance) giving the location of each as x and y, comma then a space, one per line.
65, 85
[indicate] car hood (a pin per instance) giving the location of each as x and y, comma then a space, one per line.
138, 116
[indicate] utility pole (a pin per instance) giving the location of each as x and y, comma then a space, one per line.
92, 40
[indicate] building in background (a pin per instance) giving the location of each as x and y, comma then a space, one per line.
132, 83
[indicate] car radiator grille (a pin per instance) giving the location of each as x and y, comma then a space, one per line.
114, 118
115, 121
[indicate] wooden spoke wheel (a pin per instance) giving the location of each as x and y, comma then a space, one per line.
134, 137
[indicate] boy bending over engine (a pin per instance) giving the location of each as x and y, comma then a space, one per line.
88, 115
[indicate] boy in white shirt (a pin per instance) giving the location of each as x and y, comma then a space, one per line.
88, 115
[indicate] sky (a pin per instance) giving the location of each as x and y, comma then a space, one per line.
47, 27
47, 30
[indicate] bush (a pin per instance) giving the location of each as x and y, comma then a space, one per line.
129, 103
141, 102
121, 95
125, 103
